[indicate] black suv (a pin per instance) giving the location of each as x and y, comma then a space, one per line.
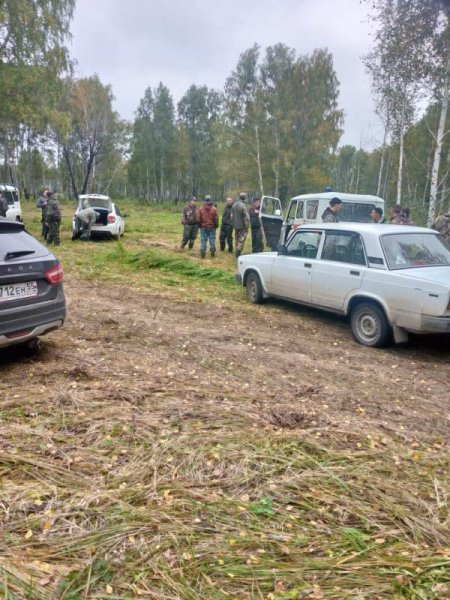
32, 300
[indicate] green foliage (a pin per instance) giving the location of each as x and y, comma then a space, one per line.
263, 508
168, 263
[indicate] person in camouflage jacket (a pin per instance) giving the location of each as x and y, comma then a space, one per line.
53, 219
241, 221
189, 220
442, 224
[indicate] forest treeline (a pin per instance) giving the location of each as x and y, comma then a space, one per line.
274, 128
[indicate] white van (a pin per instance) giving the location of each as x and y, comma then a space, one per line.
11, 194
308, 209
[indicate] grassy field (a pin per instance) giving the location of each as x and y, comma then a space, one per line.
232, 452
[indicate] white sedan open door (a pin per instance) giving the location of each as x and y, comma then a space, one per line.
271, 217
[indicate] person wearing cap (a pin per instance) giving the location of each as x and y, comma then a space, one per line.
241, 221
255, 225
53, 219
208, 220
330, 214
189, 220
226, 228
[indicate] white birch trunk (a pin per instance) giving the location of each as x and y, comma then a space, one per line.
400, 159
383, 154
437, 156
258, 160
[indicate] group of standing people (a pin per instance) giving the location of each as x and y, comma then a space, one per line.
51, 217
236, 218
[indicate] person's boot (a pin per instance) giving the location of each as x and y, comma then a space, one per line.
190, 246
238, 253
230, 250
202, 253
213, 253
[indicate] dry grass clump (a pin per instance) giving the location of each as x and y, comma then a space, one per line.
160, 493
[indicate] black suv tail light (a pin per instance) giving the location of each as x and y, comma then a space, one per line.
55, 275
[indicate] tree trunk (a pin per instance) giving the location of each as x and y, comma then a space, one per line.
258, 160
277, 163
70, 170
383, 153
400, 158
437, 155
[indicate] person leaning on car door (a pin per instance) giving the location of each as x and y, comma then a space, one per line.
241, 221
330, 214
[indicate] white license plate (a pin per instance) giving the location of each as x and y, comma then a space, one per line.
18, 290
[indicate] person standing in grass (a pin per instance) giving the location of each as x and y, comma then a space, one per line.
208, 220
190, 222
255, 225
241, 221
53, 219
226, 228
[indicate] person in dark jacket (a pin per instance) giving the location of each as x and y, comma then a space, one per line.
255, 225
226, 228
42, 204
208, 221
190, 222
330, 214
3, 205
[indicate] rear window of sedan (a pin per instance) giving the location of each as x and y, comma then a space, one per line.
412, 250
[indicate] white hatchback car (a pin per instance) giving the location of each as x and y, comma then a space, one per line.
110, 222
389, 279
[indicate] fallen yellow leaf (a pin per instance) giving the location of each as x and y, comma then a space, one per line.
29, 534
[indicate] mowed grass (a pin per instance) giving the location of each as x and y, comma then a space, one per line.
171, 493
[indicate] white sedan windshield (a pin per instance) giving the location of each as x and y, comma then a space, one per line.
406, 250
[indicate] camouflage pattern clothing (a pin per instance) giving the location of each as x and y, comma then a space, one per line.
3, 206
329, 216
239, 215
240, 235
442, 224
84, 221
53, 221
190, 221
226, 230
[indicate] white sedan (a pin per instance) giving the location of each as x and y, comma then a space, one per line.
389, 279
110, 222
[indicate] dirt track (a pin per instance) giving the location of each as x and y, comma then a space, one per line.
276, 364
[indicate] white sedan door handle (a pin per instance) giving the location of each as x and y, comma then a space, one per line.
356, 273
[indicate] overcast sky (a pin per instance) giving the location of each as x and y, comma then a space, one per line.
134, 44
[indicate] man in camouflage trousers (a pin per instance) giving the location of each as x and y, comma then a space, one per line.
226, 228
241, 220
442, 224
190, 222
53, 219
